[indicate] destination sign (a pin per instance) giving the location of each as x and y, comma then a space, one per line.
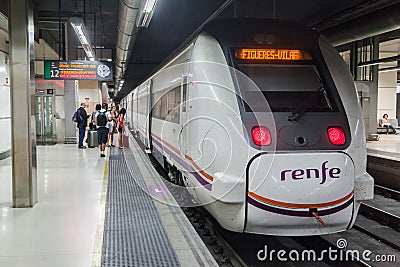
272, 54
78, 70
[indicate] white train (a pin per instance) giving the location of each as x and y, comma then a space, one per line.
260, 120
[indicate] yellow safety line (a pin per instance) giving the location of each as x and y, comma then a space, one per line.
98, 242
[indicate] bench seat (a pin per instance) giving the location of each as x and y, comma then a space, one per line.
393, 122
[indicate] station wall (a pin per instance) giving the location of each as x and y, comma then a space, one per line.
90, 93
387, 88
5, 111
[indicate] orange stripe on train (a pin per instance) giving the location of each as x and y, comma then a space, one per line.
295, 205
206, 175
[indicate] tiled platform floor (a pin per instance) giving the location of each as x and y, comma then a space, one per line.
60, 229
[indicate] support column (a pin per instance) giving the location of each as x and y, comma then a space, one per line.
373, 93
71, 100
353, 60
23, 133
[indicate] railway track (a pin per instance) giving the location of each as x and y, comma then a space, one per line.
386, 171
239, 249
380, 217
387, 192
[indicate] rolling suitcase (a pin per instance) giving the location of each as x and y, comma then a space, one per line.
92, 139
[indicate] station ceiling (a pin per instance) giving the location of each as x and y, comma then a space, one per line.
174, 21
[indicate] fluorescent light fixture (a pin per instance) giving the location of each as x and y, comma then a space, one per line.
149, 6
389, 69
379, 61
80, 30
146, 13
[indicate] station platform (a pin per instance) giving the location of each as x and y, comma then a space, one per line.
388, 147
95, 211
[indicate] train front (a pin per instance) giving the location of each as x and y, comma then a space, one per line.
306, 170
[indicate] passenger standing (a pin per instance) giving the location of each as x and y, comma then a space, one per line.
110, 126
113, 123
102, 130
82, 124
120, 126
93, 123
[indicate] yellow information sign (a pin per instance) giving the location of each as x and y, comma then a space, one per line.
272, 54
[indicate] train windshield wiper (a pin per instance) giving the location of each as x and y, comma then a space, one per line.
299, 111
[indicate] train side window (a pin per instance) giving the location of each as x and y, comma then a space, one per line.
171, 105
174, 100
177, 104
184, 94
156, 106
163, 108
156, 110
140, 104
145, 104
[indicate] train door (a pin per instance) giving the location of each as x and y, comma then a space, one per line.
136, 109
149, 114
133, 108
183, 118
44, 116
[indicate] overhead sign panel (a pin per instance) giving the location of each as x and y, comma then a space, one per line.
78, 70
272, 54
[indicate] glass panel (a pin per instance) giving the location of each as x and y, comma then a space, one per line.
285, 88
184, 93
5, 141
48, 117
163, 113
38, 116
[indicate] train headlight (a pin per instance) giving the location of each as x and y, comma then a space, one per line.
261, 136
336, 136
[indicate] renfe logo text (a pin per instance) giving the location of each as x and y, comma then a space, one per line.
300, 174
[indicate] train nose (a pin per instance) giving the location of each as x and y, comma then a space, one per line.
313, 192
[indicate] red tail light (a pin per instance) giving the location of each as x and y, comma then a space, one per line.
261, 136
336, 136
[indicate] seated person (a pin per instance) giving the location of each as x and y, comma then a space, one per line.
384, 122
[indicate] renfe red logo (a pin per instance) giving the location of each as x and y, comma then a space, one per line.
300, 174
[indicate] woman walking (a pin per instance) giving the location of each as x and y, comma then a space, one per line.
120, 126
114, 120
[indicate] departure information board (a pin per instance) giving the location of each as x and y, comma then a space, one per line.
78, 70
272, 54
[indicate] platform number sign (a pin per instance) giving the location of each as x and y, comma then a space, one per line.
78, 70
54, 73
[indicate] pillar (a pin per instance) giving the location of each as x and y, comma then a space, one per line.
373, 93
71, 100
23, 132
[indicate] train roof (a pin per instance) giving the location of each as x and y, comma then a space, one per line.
263, 32
258, 24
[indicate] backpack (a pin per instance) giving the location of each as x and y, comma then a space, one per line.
101, 119
77, 117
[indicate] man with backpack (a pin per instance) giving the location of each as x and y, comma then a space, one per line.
101, 120
80, 117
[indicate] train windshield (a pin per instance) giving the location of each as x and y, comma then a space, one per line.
287, 88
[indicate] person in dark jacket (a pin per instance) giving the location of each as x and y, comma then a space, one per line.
82, 124
102, 129
92, 124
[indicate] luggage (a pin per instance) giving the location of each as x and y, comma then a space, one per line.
93, 140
